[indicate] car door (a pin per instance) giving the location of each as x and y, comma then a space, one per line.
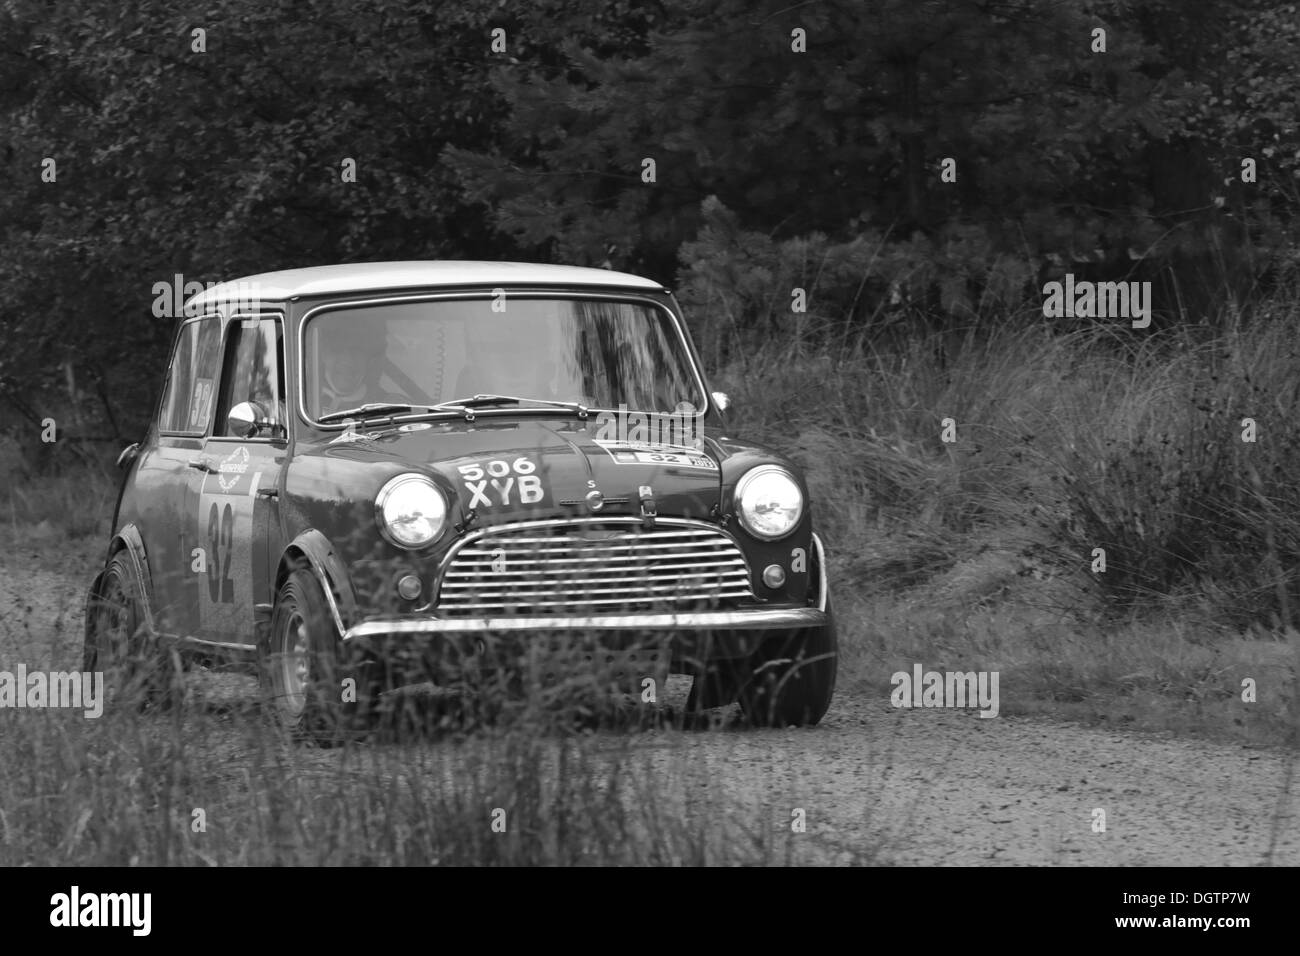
235, 514
162, 490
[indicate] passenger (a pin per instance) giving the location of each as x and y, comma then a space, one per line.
508, 356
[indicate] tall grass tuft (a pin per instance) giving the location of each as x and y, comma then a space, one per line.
1174, 455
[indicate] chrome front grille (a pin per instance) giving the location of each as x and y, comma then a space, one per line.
594, 565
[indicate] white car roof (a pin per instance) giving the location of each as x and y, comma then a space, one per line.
376, 276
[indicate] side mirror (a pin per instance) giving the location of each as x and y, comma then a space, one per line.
246, 419
722, 400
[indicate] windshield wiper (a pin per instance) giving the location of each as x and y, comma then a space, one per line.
478, 401
466, 405
483, 401
372, 410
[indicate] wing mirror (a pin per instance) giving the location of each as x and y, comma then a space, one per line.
247, 419
129, 455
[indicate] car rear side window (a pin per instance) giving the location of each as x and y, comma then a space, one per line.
190, 392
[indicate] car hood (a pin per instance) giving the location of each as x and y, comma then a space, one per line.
518, 468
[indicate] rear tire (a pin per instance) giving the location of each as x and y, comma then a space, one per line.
139, 670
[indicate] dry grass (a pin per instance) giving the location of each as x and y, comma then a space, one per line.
211, 786
76, 502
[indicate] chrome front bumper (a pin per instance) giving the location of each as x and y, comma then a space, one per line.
759, 619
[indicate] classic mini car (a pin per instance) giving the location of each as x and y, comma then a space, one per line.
364, 476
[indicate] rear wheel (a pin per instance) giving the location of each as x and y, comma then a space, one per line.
139, 670
314, 692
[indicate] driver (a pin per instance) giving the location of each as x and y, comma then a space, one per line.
352, 360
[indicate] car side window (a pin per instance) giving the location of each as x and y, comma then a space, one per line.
191, 381
253, 371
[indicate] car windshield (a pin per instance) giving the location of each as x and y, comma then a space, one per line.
597, 353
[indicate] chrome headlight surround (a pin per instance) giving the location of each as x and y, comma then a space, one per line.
411, 511
765, 493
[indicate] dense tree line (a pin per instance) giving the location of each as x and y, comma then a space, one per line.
738, 148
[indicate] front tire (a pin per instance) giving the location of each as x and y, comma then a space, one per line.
792, 677
302, 669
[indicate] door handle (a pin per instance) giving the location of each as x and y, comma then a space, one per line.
202, 464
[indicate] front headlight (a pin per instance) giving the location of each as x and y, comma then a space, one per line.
769, 502
412, 511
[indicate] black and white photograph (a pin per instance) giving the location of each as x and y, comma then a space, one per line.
650, 434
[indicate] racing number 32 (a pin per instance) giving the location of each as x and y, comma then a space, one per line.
221, 538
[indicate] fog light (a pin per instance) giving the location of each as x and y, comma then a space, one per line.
774, 575
408, 587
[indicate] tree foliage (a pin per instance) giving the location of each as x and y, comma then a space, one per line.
791, 143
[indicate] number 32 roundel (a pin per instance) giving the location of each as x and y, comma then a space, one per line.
226, 527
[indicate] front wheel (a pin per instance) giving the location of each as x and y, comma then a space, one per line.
314, 694
792, 677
